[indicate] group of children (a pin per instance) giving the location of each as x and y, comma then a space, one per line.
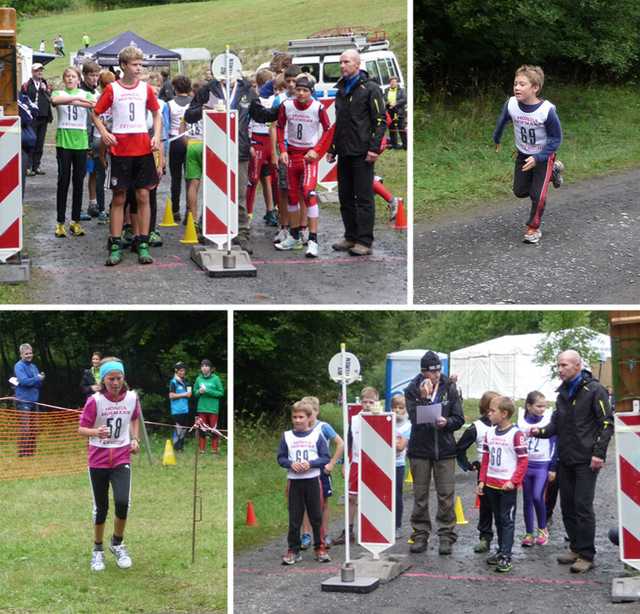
508, 460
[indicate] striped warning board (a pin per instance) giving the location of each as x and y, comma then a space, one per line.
217, 217
328, 172
627, 430
10, 188
377, 481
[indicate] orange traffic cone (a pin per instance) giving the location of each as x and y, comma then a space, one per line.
477, 505
401, 217
252, 521
190, 236
168, 220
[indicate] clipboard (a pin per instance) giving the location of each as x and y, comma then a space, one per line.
428, 414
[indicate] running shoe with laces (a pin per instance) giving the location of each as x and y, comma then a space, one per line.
322, 556
283, 235
291, 558
271, 218
61, 231
123, 560
76, 230
504, 564
143, 254
340, 540
328, 542
92, 210
556, 174
97, 560
126, 237
305, 541
102, 218
115, 255
532, 235
40, 172
494, 559
84, 217
483, 545
312, 249
304, 235
393, 208
289, 243
528, 540
543, 537
155, 240
30, 173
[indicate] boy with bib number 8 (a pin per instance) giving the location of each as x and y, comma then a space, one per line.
538, 135
110, 421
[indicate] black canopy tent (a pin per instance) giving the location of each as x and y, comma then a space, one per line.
106, 53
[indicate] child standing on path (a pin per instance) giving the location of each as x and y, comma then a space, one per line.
208, 390
504, 464
304, 453
132, 162
110, 421
403, 433
538, 135
72, 146
543, 461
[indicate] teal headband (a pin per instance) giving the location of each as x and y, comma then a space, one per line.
112, 365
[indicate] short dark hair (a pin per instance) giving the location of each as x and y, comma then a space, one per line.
164, 73
181, 83
90, 66
292, 71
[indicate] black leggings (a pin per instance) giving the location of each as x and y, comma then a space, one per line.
120, 479
68, 159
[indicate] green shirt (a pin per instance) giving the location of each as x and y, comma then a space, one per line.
73, 122
209, 400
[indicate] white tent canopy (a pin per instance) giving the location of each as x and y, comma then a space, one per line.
506, 365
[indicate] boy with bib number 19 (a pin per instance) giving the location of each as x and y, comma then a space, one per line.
538, 135
110, 421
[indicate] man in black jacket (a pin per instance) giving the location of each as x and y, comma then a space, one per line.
241, 95
583, 425
359, 129
432, 449
39, 93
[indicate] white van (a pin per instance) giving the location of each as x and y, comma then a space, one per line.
319, 55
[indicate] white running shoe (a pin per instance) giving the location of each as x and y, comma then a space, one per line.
289, 243
304, 236
532, 235
312, 249
556, 174
123, 560
97, 560
283, 235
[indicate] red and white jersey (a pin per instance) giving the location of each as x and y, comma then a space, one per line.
504, 458
302, 123
302, 449
116, 415
256, 127
481, 432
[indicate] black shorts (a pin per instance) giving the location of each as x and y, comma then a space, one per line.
133, 172
181, 419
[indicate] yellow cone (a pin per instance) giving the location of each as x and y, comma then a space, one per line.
168, 220
459, 513
190, 236
409, 478
169, 457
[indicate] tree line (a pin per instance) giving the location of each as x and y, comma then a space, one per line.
149, 343
463, 45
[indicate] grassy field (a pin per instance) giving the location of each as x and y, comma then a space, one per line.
457, 168
258, 477
47, 536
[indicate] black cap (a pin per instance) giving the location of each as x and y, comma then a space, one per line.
206, 363
430, 362
178, 366
303, 81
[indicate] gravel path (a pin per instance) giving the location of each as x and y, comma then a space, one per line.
72, 270
587, 255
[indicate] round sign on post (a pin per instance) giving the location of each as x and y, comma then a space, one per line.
219, 67
351, 368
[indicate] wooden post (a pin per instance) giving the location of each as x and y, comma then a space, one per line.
624, 329
8, 62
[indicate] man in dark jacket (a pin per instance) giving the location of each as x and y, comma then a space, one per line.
241, 95
583, 425
432, 449
39, 93
359, 129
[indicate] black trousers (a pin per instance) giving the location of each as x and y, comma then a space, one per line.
533, 184
577, 489
304, 494
40, 126
503, 504
120, 479
398, 126
177, 167
357, 203
70, 160
485, 518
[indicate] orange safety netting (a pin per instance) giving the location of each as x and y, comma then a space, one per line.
38, 443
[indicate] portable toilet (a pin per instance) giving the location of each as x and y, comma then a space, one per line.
402, 367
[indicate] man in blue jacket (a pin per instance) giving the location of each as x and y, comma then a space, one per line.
27, 395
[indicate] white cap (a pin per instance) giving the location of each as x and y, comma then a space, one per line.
36, 66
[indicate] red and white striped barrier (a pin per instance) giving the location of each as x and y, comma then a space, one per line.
627, 430
328, 173
377, 482
216, 190
10, 188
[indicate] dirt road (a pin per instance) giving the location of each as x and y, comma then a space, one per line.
452, 584
72, 270
588, 253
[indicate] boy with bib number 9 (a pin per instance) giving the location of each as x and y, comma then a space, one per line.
110, 421
133, 165
538, 135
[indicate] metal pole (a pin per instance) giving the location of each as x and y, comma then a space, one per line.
228, 124
347, 464
195, 497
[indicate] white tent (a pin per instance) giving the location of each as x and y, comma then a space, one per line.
506, 365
